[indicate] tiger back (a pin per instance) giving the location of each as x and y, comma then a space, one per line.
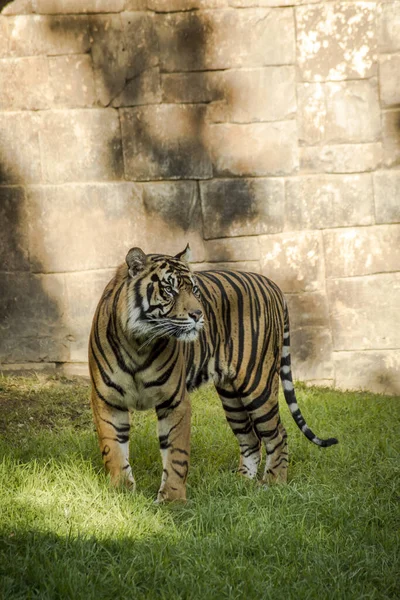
159, 332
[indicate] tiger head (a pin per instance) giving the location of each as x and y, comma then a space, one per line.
165, 301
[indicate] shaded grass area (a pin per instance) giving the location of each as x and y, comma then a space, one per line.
333, 532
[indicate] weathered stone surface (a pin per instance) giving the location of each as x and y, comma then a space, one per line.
14, 250
18, 7
293, 260
250, 95
254, 149
389, 27
81, 145
389, 79
143, 89
364, 311
311, 350
80, 227
374, 370
33, 34
38, 82
24, 84
308, 310
220, 39
362, 251
135, 5
191, 87
342, 158
123, 47
19, 147
387, 196
49, 7
40, 334
338, 112
232, 249
391, 137
164, 142
4, 36
317, 202
236, 207
173, 214
182, 5
272, 3
336, 41
83, 292
72, 81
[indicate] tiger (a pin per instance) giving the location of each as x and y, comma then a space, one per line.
160, 331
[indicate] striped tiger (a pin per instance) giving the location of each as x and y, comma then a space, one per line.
160, 331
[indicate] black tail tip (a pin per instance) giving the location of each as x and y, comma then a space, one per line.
330, 442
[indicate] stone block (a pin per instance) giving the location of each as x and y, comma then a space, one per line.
364, 310
391, 137
173, 214
164, 142
81, 145
81, 227
203, 86
362, 251
40, 335
250, 95
308, 310
341, 158
374, 370
145, 88
197, 41
389, 79
19, 148
14, 249
254, 149
50, 7
124, 46
83, 292
311, 350
72, 81
389, 27
336, 41
25, 84
387, 196
338, 112
271, 3
318, 202
238, 207
294, 261
232, 249
31, 35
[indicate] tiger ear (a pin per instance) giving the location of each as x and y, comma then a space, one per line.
185, 256
136, 261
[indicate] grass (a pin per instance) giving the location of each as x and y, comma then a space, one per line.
332, 532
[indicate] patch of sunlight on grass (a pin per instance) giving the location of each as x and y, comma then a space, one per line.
64, 533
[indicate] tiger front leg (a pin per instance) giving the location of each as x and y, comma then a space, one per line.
113, 426
174, 437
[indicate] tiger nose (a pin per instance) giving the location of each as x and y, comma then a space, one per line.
196, 314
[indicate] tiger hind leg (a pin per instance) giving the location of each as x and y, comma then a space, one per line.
267, 423
242, 428
113, 426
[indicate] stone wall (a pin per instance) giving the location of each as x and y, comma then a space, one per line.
265, 132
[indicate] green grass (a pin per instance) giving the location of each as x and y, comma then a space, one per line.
332, 532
